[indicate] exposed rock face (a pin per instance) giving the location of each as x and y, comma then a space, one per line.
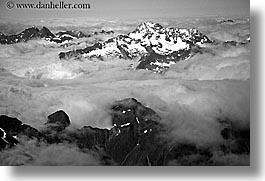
159, 47
10, 128
64, 36
3, 137
105, 32
58, 120
229, 44
27, 34
79, 51
141, 128
160, 63
133, 140
227, 21
46, 34
137, 137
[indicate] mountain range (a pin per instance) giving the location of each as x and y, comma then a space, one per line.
157, 46
46, 34
137, 137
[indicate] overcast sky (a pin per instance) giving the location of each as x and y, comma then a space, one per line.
132, 9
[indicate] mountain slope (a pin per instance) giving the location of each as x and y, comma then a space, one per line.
158, 46
46, 34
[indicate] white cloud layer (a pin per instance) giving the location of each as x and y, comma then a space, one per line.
190, 97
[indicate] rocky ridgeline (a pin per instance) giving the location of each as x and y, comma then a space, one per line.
133, 139
46, 34
136, 137
159, 47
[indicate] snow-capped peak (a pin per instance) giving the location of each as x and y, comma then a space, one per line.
163, 44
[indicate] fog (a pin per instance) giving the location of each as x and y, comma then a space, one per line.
191, 97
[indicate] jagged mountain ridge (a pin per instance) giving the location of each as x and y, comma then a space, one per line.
27, 34
133, 139
165, 45
46, 34
137, 137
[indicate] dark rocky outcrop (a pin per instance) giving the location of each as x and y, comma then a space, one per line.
160, 63
58, 121
78, 52
46, 34
26, 35
64, 36
230, 43
227, 21
137, 137
139, 133
134, 138
106, 32
10, 128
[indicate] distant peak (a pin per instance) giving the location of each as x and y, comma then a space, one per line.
148, 25
34, 28
45, 28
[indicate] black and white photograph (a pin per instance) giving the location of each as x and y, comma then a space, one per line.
125, 83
